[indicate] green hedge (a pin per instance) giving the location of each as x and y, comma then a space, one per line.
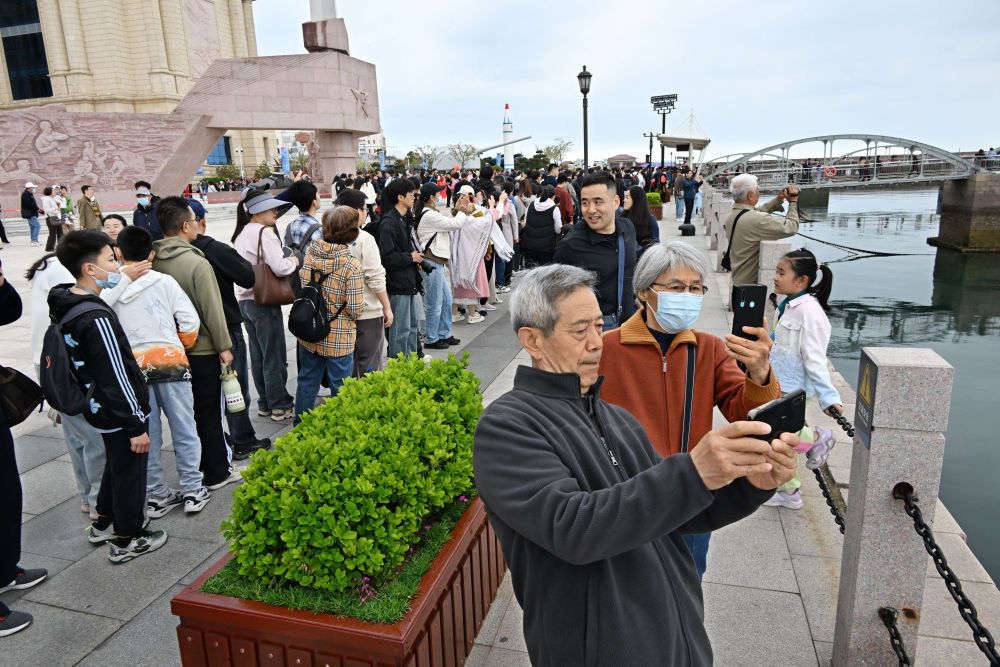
346, 493
654, 199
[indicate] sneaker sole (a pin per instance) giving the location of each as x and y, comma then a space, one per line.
10, 631
23, 587
95, 539
283, 417
157, 513
124, 558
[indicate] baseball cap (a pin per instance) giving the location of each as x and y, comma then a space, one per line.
142, 191
258, 201
199, 210
465, 189
428, 190
29, 184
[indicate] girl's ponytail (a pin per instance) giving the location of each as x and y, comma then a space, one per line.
242, 218
822, 289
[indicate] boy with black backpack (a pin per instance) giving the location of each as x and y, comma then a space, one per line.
304, 229
113, 392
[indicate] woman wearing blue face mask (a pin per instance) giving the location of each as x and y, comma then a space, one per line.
670, 376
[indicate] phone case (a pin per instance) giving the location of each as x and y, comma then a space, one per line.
784, 415
748, 308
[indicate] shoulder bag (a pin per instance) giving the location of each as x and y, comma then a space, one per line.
269, 289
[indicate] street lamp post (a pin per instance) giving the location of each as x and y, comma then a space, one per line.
663, 104
239, 150
584, 78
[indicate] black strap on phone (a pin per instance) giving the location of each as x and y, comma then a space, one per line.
688, 398
727, 263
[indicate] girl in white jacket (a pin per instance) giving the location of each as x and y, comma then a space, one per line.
801, 334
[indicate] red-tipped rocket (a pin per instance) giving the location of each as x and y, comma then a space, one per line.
508, 135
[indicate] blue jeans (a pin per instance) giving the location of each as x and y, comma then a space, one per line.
698, 544
240, 428
679, 205
176, 401
268, 356
437, 304
312, 366
402, 335
86, 450
34, 227
501, 272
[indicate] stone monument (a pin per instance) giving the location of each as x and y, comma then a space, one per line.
326, 91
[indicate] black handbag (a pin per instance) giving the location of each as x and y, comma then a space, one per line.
19, 395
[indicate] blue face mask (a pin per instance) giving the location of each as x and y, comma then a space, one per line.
143, 201
677, 312
109, 282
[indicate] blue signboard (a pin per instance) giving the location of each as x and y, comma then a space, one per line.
286, 162
381, 160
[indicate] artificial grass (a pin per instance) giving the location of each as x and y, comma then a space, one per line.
387, 604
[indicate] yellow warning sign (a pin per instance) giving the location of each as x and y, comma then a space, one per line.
865, 388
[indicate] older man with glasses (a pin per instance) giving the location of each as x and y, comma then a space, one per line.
670, 376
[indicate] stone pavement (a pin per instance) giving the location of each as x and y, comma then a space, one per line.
770, 588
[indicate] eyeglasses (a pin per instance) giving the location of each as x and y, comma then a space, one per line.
191, 220
680, 288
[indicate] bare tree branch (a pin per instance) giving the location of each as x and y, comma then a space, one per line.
464, 153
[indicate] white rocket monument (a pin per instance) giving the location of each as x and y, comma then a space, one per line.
508, 135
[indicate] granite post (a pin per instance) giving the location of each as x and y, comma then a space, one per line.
903, 399
770, 253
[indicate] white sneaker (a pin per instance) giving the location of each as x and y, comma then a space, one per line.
194, 502
234, 476
476, 319
488, 306
497, 300
157, 507
457, 317
792, 501
503, 289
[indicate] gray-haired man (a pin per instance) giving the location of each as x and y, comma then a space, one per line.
756, 225
589, 516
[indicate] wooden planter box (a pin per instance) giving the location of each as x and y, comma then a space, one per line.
444, 617
657, 211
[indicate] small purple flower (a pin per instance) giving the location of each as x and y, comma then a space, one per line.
411, 550
463, 499
427, 527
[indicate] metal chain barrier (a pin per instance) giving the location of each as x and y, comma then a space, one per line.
980, 635
838, 516
889, 616
842, 420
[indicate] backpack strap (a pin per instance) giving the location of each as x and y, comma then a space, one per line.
688, 398
80, 309
307, 237
433, 236
732, 234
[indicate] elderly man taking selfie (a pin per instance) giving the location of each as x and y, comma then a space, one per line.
589, 516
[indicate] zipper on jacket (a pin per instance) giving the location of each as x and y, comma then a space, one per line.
664, 362
592, 410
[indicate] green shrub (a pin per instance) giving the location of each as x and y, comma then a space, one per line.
654, 199
346, 493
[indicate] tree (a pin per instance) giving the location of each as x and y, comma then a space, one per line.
412, 159
229, 171
556, 151
463, 153
262, 170
429, 154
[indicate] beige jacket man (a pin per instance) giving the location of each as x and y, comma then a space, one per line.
89, 213
758, 224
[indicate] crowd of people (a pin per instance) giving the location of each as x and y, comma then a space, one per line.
152, 311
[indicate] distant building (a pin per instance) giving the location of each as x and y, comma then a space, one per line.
124, 56
621, 161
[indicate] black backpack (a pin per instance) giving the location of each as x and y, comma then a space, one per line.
309, 319
299, 250
19, 395
56, 371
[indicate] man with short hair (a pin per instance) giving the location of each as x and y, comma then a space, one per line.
144, 214
176, 257
29, 211
401, 258
605, 244
231, 269
89, 210
551, 177
753, 225
589, 517
305, 196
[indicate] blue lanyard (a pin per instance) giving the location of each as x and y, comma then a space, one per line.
621, 272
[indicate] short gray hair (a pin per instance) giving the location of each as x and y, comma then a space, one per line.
535, 300
669, 256
743, 185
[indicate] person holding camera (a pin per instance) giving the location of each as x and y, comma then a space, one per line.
747, 225
401, 257
433, 229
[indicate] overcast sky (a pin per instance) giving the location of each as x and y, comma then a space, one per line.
754, 74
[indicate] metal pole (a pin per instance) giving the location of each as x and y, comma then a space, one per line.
663, 148
586, 154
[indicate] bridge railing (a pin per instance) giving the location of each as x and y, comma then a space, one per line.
773, 174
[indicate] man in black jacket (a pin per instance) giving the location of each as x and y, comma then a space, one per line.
589, 517
230, 268
605, 245
401, 258
144, 214
29, 211
107, 371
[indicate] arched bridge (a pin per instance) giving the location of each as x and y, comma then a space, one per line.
848, 160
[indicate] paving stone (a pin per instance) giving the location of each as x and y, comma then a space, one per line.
58, 532
47, 485
29, 560
937, 652
811, 531
939, 613
477, 657
824, 653
148, 639
25, 517
960, 559
47, 431
819, 584
491, 624
750, 626
511, 632
200, 568
751, 552
501, 657
32, 451
84, 585
203, 526
56, 636
944, 521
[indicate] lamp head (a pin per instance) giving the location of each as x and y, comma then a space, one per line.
584, 78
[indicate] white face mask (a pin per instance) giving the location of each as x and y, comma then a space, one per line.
92, 198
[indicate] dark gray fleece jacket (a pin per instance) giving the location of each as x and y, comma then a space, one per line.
590, 520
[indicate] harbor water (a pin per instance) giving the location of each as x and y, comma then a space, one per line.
922, 297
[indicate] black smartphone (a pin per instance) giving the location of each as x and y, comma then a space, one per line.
784, 415
748, 308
